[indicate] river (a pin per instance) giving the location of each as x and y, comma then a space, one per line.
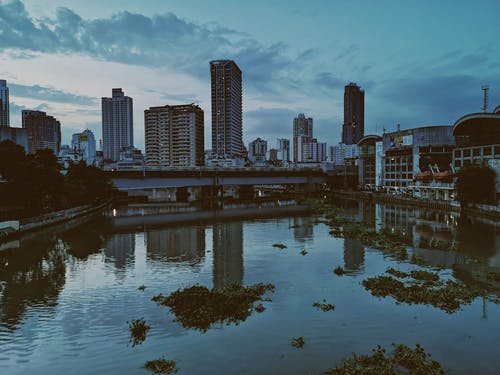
68, 293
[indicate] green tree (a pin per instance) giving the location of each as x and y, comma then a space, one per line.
476, 184
84, 184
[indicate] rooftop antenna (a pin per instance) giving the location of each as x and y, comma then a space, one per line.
485, 89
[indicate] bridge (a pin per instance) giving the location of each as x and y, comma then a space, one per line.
205, 181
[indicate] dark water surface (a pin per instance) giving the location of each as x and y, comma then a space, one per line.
66, 295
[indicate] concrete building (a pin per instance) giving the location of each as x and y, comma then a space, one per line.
283, 150
117, 124
17, 135
353, 128
257, 150
130, 158
227, 109
343, 154
417, 162
315, 152
4, 103
302, 132
367, 162
83, 145
174, 136
477, 137
44, 132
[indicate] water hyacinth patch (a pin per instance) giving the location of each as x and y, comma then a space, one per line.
324, 306
199, 308
162, 366
138, 329
298, 342
404, 360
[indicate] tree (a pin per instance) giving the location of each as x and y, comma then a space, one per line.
476, 184
84, 184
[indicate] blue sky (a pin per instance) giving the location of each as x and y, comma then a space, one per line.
419, 62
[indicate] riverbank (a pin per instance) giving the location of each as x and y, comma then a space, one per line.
13, 228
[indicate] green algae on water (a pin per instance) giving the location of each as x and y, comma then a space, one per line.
199, 308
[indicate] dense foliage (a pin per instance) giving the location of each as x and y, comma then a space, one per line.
35, 182
476, 184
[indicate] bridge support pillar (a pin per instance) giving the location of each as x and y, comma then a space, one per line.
246, 192
182, 194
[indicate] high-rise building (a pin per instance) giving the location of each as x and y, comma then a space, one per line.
283, 150
341, 152
44, 132
83, 144
257, 150
4, 103
117, 124
174, 136
354, 114
227, 125
16, 135
302, 133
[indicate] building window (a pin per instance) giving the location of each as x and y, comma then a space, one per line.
467, 152
487, 150
497, 150
458, 153
476, 152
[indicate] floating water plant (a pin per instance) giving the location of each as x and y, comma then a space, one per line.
198, 307
260, 308
423, 287
404, 360
338, 271
324, 306
142, 288
303, 252
162, 366
298, 342
138, 329
280, 246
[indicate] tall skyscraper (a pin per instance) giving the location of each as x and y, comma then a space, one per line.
227, 125
4, 103
174, 136
44, 132
302, 134
117, 124
354, 114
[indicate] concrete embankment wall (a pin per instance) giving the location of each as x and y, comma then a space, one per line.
41, 221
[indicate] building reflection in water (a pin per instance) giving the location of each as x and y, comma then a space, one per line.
354, 255
120, 249
303, 229
228, 253
176, 243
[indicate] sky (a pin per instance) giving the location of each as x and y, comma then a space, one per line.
419, 62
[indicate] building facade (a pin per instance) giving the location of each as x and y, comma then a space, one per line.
4, 104
302, 133
353, 128
342, 152
227, 109
44, 132
117, 124
367, 162
16, 135
257, 150
174, 136
83, 145
283, 150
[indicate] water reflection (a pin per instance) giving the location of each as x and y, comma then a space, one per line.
228, 253
120, 249
176, 244
354, 255
303, 229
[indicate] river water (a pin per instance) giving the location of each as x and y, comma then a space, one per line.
68, 293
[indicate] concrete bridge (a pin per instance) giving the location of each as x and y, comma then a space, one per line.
200, 183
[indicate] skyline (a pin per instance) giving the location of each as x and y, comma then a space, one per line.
295, 58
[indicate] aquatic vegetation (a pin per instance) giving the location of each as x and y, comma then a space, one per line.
138, 329
303, 252
162, 366
198, 307
404, 360
260, 308
298, 342
142, 288
324, 306
417, 259
423, 287
338, 271
280, 246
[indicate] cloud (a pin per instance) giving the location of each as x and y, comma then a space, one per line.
50, 94
329, 81
268, 123
130, 38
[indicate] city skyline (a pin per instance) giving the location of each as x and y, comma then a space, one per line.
423, 75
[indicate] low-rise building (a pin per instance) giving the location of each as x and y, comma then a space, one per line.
369, 169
